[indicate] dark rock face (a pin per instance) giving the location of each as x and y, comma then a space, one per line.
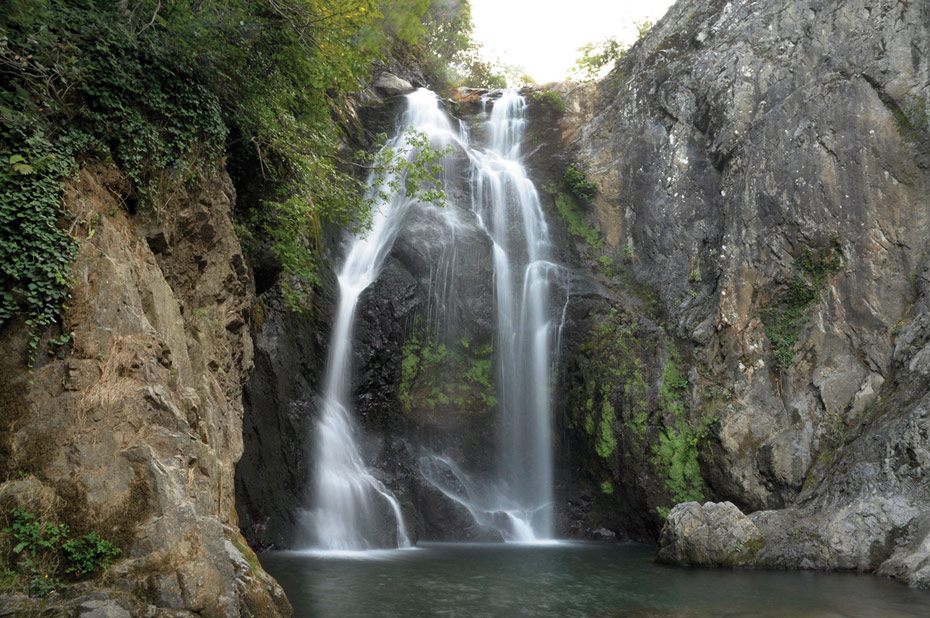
280, 398
763, 173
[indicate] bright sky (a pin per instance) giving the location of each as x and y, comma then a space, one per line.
543, 36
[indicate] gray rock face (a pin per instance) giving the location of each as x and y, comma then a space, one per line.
768, 166
388, 84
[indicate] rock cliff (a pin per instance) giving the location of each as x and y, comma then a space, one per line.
763, 172
130, 424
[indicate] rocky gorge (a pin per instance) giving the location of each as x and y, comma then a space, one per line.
741, 211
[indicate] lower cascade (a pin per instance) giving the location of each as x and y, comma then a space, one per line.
352, 509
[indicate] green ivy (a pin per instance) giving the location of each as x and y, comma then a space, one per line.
36, 249
77, 83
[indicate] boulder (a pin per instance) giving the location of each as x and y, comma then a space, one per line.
712, 534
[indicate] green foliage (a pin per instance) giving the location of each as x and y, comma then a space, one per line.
577, 182
77, 83
42, 553
595, 57
550, 99
162, 90
783, 322
607, 488
454, 58
89, 554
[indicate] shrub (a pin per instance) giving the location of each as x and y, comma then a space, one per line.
577, 182
550, 99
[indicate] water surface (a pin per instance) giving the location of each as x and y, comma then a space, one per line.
567, 580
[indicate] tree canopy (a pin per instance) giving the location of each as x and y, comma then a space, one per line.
164, 88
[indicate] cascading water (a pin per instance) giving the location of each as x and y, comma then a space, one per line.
351, 504
508, 207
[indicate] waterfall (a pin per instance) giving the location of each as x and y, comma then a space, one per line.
350, 503
508, 208
353, 510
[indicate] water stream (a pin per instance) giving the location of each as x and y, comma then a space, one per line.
351, 505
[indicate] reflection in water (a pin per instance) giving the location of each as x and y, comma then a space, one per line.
569, 580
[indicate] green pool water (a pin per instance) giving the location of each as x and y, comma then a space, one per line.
567, 580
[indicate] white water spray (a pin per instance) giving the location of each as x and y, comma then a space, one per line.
351, 504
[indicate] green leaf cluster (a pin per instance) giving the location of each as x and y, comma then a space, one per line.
40, 554
577, 182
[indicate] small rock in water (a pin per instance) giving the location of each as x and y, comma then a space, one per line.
605, 534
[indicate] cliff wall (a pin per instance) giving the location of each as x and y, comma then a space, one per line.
763, 173
130, 424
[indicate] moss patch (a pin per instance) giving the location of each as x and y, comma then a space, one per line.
676, 456
436, 374
609, 379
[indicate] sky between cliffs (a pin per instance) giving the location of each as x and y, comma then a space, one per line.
543, 36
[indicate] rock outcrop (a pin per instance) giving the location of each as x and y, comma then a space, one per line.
131, 425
